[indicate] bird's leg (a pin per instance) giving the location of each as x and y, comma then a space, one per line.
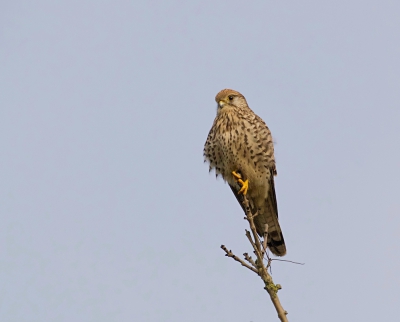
237, 175
244, 184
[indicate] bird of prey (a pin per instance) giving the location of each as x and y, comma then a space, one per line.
239, 147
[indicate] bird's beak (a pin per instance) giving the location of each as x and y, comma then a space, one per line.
221, 103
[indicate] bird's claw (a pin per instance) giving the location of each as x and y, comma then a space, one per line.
244, 184
236, 175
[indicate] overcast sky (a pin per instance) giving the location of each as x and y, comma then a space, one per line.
107, 210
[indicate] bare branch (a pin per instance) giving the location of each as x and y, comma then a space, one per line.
230, 254
258, 266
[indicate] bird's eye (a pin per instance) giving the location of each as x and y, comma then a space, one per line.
230, 97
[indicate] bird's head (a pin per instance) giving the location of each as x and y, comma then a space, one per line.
230, 98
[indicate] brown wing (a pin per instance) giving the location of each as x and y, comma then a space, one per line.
275, 241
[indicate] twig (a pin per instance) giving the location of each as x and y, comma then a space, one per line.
230, 254
249, 259
265, 238
250, 219
248, 235
285, 260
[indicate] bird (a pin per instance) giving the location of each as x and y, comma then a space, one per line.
239, 147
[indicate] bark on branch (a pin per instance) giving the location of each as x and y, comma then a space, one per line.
258, 266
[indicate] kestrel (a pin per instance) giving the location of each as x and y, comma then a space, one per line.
240, 149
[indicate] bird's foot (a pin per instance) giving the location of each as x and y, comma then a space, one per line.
244, 184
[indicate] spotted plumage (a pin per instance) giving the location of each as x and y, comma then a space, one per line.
239, 141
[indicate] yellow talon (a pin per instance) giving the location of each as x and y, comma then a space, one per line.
236, 175
244, 184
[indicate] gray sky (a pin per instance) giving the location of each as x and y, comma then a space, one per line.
107, 210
